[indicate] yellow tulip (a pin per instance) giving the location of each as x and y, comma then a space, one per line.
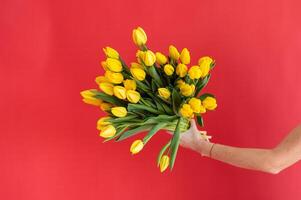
108, 131
195, 105
114, 65
204, 64
195, 72
149, 58
181, 70
186, 111
180, 82
139, 36
101, 79
187, 90
168, 69
104, 65
138, 73
164, 93
161, 59
102, 123
88, 93
164, 163
202, 109
92, 101
136, 146
114, 77
209, 103
132, 96
119, 92
129, 84
119, 111
139, 55
107, 88
111, 53
137, 65
106, 106
185, 56
174, 53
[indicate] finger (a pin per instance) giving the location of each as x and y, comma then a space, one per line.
192, 124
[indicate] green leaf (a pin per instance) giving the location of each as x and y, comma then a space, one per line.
133, 132
203, 96
133, 107
154, 86
153, 131
109, 99
175, 144
159, 119
162, 152
212, 65
202, 83
200, 120
154, 74
176, 100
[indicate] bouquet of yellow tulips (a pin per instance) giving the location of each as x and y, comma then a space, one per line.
155, 92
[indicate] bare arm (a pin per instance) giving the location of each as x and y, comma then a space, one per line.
273, 160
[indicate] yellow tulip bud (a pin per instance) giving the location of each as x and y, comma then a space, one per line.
139, 36
119, 111
92, 101
138, 73
195, 105
139, 55
164, 93
88, 93
119, 92
168, 69
104, 65
180, 82
111, 53
101, 79
106, 106
204, 64
164, 163
174, 53
149, 58
137, 65
132, 96
202, 109
187, 90
161, 59
108, 131
186, 111
185, 56
195, 72
136, 146
181, 70
107, 88
209, 103
102, 123
129, 84
114, 77
114, 65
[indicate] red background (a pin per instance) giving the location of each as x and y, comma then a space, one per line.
50, 51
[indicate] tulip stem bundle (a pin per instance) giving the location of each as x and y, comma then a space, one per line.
157, 92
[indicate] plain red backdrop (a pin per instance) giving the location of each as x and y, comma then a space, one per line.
50, 50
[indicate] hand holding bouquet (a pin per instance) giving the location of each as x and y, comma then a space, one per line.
155, 92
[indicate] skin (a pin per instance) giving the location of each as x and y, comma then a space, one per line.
274, 160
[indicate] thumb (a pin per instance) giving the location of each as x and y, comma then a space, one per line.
193, 124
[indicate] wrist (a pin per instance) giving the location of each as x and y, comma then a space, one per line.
205, 148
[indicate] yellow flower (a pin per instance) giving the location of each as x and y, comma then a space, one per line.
204, 64
129, 84
119, 92
136, 65
164, 163
139, 36
138, 73
149, 58
111, 53
186, 111
105, 106
168, 69
173, 52
181, 70
114, 65
195, 105
104, 65
88, 93
136, 146
108, 131
139, 55
164, 93
102, 123
161, 59
195, 72
100, 79
187, 90
185, 56
92, 101
202, 109
107, 88
209, 103
114, 77
132, 96
180, 82
119, 111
